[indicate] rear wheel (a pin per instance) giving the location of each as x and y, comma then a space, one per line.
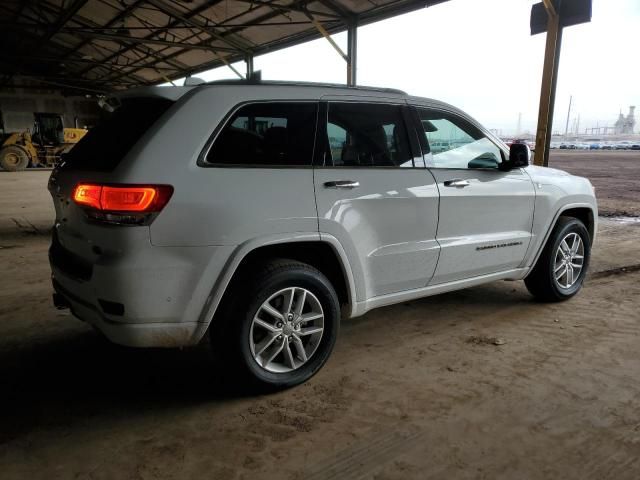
562, 266
278, 328
13, 158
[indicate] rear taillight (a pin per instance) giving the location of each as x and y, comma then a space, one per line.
122, 204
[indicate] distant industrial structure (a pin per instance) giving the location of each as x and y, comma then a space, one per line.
622, 126
625, 125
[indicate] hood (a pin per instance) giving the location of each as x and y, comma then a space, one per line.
542, 172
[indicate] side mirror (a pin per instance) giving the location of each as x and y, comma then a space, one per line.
519, 155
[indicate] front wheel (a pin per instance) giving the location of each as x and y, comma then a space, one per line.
279, 327
13, 158
560, 271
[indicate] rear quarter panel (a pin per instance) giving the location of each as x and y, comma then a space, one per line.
218, 206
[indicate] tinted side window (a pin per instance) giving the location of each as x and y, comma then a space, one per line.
455, 143
270, 134
367, 135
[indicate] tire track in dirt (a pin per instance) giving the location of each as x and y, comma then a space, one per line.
365, 457
551, 350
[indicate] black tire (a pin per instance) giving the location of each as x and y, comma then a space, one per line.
14, 158
541, 282
230, 332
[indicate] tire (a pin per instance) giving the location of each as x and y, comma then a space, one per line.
543, 281
13, 158
237, 339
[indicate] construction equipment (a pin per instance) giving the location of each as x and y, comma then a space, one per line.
42, 147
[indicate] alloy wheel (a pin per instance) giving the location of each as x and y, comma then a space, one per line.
569, 261
286, 330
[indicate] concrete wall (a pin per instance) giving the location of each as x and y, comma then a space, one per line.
17, 108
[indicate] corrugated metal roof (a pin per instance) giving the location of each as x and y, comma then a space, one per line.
103, 45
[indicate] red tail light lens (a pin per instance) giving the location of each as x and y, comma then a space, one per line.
123, 198
122, 204
128, 199
87, 195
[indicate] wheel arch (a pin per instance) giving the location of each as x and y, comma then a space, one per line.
582, 211
584, 214
325, 255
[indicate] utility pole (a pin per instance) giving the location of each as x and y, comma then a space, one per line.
519, 129
566, 128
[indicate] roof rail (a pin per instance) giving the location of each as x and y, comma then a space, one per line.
305, 84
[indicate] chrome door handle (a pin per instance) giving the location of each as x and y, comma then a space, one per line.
457, 182
342, 184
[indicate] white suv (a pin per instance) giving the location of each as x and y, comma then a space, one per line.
262, 213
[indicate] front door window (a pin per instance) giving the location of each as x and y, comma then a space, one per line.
451, 142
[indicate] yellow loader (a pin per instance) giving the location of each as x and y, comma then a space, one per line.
41, 148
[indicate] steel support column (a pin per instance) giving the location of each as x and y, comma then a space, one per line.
352, 53
548, 88
249, 61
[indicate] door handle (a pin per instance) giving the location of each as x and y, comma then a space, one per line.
348, 184
457, 182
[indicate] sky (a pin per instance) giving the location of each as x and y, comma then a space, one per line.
480, 57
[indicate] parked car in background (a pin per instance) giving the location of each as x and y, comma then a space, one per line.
529, 143
285, 206
607, 146
623, 145
439, 147
595, 146
635, 146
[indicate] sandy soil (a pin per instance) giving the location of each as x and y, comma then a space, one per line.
482, 383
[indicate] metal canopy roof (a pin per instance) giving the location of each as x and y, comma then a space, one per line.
102, 45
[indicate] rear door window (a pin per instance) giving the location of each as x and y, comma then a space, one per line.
267, 134
367, 135
106, 144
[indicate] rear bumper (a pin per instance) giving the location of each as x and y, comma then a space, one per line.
154, 297
163, 334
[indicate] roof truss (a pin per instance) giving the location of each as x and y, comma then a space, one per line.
102, 45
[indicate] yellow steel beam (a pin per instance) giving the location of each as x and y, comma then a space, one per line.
167, 80
226, 62
547, 91
551, 9
231, 67
327, 35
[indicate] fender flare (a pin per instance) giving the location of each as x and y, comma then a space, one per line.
553, 223
240, 253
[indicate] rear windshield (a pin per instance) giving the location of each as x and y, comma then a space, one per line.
105, 145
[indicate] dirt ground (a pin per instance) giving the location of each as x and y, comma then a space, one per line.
615, 174
483, 383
